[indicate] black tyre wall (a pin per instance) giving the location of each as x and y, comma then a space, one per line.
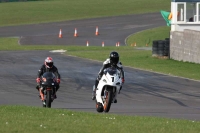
155, 48
166, 47
160, 47
161, 44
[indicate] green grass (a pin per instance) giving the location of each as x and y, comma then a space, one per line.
15, 13
22, 119
9, 44
147, 36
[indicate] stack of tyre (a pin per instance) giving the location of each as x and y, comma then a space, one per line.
160, 47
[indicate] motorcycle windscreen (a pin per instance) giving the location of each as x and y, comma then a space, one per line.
48, 78
112, 71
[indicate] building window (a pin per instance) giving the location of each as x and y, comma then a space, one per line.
190, 11
181, 12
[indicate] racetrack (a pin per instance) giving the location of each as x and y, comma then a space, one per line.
144, 93
111, 30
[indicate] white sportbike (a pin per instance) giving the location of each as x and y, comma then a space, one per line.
108, 88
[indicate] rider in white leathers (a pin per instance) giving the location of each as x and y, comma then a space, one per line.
113, 61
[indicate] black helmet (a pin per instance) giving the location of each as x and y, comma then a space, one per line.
114, 58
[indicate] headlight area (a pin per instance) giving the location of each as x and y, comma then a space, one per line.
104, 81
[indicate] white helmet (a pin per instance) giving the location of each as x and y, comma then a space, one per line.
48, 62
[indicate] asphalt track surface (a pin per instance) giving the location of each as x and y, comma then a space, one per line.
144, 93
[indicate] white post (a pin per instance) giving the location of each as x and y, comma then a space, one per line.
184, 11
174, 14
182, 14
197, 11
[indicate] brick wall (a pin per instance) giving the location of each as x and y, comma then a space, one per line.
185, 46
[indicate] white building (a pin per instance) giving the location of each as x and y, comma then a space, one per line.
185, 30
187, 14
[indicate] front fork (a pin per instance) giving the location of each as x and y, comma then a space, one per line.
42, 92
114, 94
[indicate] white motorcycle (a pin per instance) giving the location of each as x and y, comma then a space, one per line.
108, 88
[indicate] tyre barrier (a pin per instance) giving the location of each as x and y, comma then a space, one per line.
160, 47
155, 48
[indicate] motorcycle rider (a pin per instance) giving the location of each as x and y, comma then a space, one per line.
48, 66
113, 61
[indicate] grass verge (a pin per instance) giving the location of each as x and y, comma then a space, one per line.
25, 119
147, 36
15, 13
143, 59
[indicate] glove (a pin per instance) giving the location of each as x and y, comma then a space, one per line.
38, 80
123, 80
58, 81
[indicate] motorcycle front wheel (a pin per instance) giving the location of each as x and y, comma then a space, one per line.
108, 100
48, 99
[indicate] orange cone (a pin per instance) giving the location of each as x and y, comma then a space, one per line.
60, 34
102, 44
97, 31
118, 44
75, 33
147, 45
87, 44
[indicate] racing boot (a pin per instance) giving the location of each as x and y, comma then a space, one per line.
57, 87
54, 96
43, 103
37, 87
94, 93
93, 96
115, 101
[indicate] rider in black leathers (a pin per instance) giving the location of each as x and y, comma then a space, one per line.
113, 60
48, 66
